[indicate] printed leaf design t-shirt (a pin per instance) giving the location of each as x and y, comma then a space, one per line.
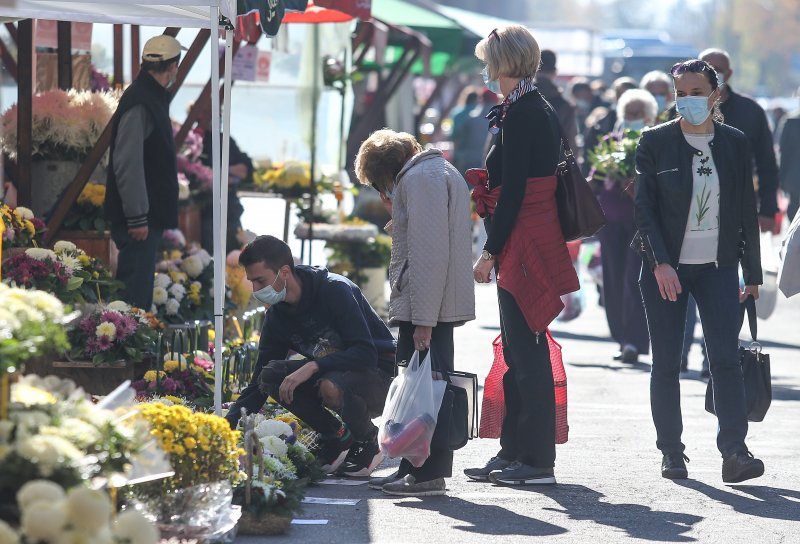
702, 229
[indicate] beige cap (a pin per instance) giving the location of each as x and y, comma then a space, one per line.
161, 48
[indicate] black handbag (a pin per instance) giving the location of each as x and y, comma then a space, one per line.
454, 426
579, 212
755, 370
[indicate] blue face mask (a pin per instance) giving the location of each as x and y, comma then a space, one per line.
693, 108
636, 124
661, 100
492, 84
268, 295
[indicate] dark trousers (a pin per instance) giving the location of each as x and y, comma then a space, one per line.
529, 428
688, 335
136, 265
794, 204
440, 462
716, 291
621, 297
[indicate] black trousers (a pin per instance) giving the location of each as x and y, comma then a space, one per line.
529, 428
136, 265
440, 462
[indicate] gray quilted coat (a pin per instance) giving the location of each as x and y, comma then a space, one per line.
431, 268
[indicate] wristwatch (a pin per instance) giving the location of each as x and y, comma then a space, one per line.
486, 256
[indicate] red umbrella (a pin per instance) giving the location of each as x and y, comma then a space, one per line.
317, 15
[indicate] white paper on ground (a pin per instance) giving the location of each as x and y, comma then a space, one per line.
309, 522
323, 500
343, 482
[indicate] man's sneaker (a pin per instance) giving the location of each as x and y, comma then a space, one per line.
673, 466
407, 486
331, 452
482, 474
741, 466
378, 483
521, 474
364, 457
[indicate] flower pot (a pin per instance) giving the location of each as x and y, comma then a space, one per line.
96, 244
95, 379
264, 525
50, 179
189, 222
374, 288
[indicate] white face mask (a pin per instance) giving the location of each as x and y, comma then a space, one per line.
268, 295
636, 124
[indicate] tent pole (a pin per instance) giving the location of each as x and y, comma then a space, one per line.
219, 259
314, 105
25, 91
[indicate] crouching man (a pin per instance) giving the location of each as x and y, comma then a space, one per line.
347, 350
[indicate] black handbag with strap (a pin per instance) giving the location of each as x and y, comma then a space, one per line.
453, 426
755, 370
579, 212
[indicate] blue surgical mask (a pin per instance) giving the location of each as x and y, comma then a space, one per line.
492, 84
268, 295
636, 124
693, 108
661, 100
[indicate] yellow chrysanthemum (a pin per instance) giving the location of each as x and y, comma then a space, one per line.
171, 366
150, 375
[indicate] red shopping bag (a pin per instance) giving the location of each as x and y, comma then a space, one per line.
493, 408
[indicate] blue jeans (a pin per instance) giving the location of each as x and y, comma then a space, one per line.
136, 265
688, 336
716, 291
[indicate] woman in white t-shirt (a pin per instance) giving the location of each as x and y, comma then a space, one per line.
696, 223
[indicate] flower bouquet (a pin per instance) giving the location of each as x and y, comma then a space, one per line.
291, 179
613, 160
182, 287
114, 333
239, 288
87, 213
195, 178
203, 451
182, 377
22, 229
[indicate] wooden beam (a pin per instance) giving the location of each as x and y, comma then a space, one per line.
8, 60
12, 31
119, 74
24, 111
64, 55
136, 51
172, 31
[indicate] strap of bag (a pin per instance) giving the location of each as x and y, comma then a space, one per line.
435, 365
749, 307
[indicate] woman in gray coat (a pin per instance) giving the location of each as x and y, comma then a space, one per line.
430, 271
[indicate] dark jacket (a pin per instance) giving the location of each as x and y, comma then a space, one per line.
567, 113
790, 153
160, 163
332, 324
664, 184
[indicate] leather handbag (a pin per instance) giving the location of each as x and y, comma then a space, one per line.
454, 427
755, 371
579, 212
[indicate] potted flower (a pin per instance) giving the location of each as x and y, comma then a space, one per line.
182, 377
65, 127
87, 227
22, 229
182, 287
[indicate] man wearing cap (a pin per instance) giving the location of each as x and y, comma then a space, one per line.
142, 188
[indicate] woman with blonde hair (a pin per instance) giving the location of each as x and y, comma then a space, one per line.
429, 272
526, 248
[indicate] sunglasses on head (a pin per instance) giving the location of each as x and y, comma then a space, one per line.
692, 66
495, 34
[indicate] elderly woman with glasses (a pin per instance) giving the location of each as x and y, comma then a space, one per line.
697, 222
526, 247
429, 272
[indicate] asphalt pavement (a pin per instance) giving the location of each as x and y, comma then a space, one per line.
609, 484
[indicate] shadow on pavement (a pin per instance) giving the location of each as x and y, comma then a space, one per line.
765, 502
486, 519
637, 520
781, 392
616, 367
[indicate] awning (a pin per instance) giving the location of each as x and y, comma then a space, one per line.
179, 13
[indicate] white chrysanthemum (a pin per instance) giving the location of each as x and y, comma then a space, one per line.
178, 291
48, 452
273, 427
204, 257
172, 307
160, 295
162, 280
133, 528
62, 245
43, 520
26, 213
106, 328
7, 534
192, 265
39, 490
77, 431
274, 445
119, 306
40, 253
70, 263
88, 510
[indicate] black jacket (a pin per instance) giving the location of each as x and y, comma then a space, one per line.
332, 324
664, 182
160, 162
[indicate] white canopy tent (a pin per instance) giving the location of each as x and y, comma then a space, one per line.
210, 14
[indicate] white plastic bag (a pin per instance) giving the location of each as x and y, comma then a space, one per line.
768, 293
789, 271
409, 416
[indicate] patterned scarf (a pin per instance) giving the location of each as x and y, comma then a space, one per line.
497, 114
